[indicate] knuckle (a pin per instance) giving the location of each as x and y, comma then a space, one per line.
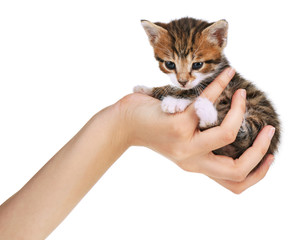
176, 130
241, 101
179, 130
238, 175
263, 150
237, 190
229, 136
241, 109
243, 106
183, 165
179, 154
221, 81
188, 167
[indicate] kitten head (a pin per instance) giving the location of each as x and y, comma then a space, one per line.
188, 50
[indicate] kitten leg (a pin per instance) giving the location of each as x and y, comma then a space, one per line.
158, 92
171, 104
143, 89
206, 112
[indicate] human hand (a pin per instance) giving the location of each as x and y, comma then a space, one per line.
178, 138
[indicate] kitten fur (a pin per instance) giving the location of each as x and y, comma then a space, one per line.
181, 43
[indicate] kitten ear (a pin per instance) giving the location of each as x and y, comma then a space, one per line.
217, 33
153, 31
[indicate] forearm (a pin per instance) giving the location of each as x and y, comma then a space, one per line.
53, 192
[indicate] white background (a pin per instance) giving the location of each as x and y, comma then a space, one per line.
62, 61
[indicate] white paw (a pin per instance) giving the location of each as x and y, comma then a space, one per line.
206, 112
172, 105
142, 89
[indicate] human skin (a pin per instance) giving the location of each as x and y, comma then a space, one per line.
136, 120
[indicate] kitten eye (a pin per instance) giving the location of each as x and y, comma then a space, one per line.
170, 65
197, 65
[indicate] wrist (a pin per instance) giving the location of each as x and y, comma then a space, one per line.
108, 132
125, 110
138, 114
121, 124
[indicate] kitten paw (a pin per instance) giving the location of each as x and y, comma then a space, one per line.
142, 89
173, 105
206, 112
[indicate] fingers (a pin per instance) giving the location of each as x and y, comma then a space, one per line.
253, 178
214, 89
252, 156
226, 168
217, 137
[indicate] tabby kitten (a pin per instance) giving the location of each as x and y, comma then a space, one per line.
190, 51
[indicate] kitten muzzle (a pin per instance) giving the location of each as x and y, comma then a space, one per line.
183, 82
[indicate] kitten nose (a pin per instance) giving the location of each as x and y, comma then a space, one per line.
183, 82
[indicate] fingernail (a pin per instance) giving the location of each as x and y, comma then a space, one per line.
243, 93
231, 72
271, 132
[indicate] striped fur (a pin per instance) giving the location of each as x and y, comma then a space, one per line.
188, 40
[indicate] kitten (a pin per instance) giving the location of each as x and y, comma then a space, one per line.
190, 51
